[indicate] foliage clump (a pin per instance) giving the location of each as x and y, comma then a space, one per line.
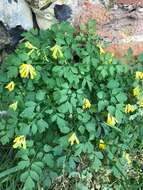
73, 113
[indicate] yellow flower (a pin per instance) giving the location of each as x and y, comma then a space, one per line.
136, 91
111, 59
73, 139
10, 86
102, 145
139, 75
129, 108
141, 102
127, 157
101, 49
29, 45
27, 70
57, 52
20, 142
86, 104
111, 120
13, 106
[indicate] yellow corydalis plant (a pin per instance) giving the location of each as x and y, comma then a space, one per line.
19, 142
27, 71
73, 139
10, 86
102, 51
86, 104
102, 145
111, 58
136, 91
30, 47
13, 106
126, 156
129, 108
111, 120
139, 75
56, 52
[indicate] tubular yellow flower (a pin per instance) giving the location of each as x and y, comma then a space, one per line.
10, 86
73, 139
27, 70
136, 91
111, 120
126, 156
29, 45
13, 106
111, 59
139, 75
20, 142
102, 145
57, 53
129, 108
101, 49
86, 104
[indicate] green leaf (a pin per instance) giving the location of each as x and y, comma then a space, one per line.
12, 72
101, 94
49, 160
29, 183
28, 113
47, 148
8, 172
140, 57
42, 125
34, 175
34, 129
96, 164
101, 105
63, 125
113, 84
24, 176
99, 155
121, 97
111, 109
23, 164
36, 168
119, 115
40, 95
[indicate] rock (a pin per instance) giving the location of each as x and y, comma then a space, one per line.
62, 12
130, 2
53, 11
14, 13
9, 38
4, 36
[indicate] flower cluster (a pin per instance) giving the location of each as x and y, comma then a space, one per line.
27, 71
73, 139
19, 142
129, 108
111, 120
10, 86
139, 75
